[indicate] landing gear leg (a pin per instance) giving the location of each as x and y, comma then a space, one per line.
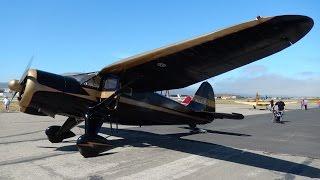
91, 144
194, 129
56, 134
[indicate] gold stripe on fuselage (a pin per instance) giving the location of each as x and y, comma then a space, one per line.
94, 95
157, 108
205, 101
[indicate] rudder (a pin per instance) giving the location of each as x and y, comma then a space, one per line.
203, 100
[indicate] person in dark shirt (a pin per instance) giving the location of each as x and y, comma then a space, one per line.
278, 111
280, 105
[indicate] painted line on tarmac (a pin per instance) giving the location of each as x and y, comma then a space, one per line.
21, 134
28, 140
32, 158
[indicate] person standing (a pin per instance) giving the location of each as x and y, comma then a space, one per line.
279, 110
302, 103
271, 105
280, 105
6, 103
271, 108
305, 104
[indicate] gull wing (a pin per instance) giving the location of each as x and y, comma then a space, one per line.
191, 61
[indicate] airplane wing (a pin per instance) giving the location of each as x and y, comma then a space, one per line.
245, 102
291, 102
215, 115
261, 103
188, 62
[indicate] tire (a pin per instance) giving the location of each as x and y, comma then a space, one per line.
51, 134
92, 145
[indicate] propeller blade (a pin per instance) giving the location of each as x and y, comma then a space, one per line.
15, 93
26, 70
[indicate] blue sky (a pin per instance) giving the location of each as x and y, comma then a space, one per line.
82, 36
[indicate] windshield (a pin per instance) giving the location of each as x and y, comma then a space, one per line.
93, 82
90, 80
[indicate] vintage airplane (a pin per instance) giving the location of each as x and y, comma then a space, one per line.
261, 104
123, 92
257, 103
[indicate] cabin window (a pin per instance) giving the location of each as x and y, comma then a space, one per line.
127, 91
111, 84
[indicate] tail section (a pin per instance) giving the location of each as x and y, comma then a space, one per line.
203, 104
186, 100
203, 100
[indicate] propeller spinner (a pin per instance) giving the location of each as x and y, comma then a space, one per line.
17, 85
14, 85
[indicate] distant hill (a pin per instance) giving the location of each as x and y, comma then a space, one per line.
3, 85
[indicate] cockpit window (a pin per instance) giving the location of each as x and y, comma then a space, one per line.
93, 82
90, 80
111, 84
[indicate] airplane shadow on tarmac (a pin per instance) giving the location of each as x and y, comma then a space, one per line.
220, 132
175, 142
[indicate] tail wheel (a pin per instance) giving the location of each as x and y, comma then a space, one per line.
192, 126
54, 137
51, 134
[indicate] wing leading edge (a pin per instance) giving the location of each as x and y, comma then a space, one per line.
188, 62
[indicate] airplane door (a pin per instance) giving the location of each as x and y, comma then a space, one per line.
110, 85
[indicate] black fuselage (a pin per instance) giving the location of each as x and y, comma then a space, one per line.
64, 95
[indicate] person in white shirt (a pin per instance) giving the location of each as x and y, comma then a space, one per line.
6, 103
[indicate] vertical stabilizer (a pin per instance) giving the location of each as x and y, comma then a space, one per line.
203, 100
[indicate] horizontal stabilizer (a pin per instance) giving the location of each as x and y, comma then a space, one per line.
228, 116
213, 115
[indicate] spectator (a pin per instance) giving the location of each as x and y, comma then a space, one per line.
305, 104
280, 104
271, 105
6, 103
302, 103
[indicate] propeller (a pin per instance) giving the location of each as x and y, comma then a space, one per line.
25, 73
14, 95
17, 86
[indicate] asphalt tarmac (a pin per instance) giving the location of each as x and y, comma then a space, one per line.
253, 148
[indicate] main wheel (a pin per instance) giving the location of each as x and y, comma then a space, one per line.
92, 145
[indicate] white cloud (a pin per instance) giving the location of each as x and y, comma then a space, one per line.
254, 70
271, 84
